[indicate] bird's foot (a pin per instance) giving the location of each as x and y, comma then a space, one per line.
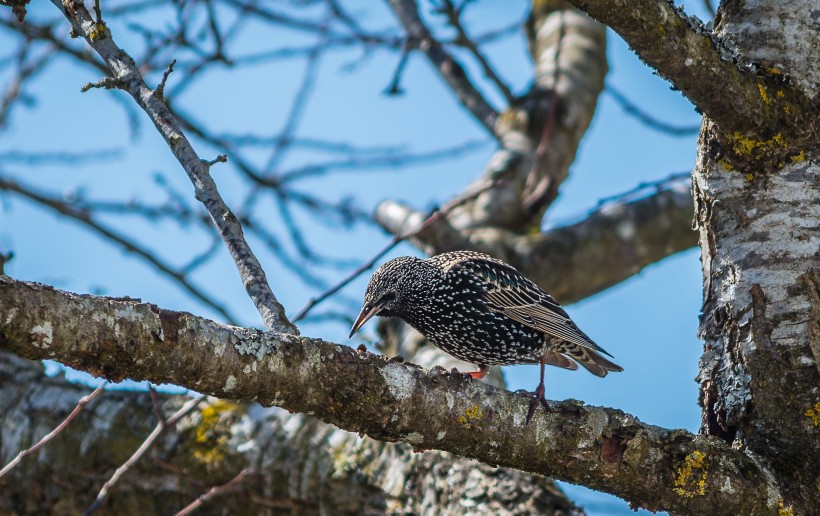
536, 398
477, 375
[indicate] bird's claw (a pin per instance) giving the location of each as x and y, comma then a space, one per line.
534, 405
536, 398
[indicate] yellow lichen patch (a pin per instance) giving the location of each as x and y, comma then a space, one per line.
773, 71
691, 476
745, 146
782, 510
100, 31
212, 433
780, 94
814, 414
763, 94
514, 119
661, 30
800, 157
471, 413
726, 165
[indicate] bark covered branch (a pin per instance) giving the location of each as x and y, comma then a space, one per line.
602, 448
739, 92
342, 474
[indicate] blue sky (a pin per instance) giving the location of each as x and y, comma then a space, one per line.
648, 323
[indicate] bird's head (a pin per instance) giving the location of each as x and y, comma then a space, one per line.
392, 289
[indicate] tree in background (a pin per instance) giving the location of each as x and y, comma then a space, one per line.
756, 204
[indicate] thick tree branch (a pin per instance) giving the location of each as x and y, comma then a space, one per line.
739, 94
611, 245
343, 473
599, 447
126, 75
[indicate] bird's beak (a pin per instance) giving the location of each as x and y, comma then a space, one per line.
363, 317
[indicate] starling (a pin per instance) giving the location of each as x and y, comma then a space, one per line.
481, 310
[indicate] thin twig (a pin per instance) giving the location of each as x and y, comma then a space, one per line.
4, 259
144, 447
657, 185
446, 65
160, 91
648, 120
85, 400
431, 219
128, 245
709, 7
453, 15
215, 491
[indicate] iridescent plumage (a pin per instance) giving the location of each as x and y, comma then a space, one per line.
481, 310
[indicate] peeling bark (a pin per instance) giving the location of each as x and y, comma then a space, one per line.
760, 251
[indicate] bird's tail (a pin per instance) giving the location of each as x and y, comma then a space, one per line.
592, 361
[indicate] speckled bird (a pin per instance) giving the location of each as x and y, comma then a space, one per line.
481, 310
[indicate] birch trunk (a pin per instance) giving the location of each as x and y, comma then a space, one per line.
757, 202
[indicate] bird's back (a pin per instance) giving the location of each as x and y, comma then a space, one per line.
492, 314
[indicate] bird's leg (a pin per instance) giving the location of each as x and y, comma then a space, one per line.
478, 375
538, 397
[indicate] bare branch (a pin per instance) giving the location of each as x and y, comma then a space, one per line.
453, 15
540, 134
647, 119
162, 425
269, 441
124, 70
215, 491
38, 158
448, 68
85, 400
18, 8
438, 215
4, 259
602, 448
160, 91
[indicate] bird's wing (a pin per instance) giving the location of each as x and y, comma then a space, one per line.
509, 292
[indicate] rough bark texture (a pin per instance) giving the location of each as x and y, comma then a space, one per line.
756, 191
760, 241
739, 86
299, 462
387, 400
